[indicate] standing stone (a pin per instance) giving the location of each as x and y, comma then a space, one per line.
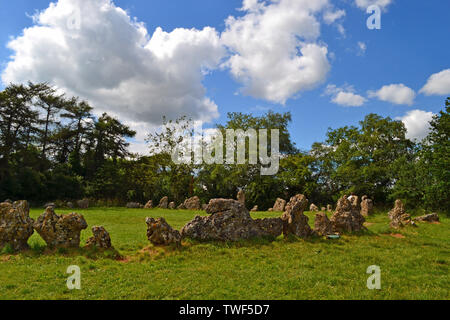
366, 206
149, 205
172, 205
159, 232
50, 204
347, 217
83, 204
295, 222
322, 225
100, 239
204, 206
399, 217
433, 217
229, 220
70, 205
255, 209
329, 208
16, 226
241, 197
164, 203
8, 201
279, 205
60, 231
192, 204
313, 208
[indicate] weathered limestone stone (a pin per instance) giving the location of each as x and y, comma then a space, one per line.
159, 232
313, 207
16, 226
163, 203
255, 209
432, 217
192, 204
241, 197
270, 210
229, 220
172, 205
149, 205
204, 206
70, 205
322, 225
295, 222
8, 201
50, 204
134, 205
60, 231
347, 217
329, 208
83, 204
100, 239
279, 205
366, 206
399, 217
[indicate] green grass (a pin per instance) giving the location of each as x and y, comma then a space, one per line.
413, 267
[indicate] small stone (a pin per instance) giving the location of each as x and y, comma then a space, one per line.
399, 217
163, 203
83, 204
347, 217
366, 206
159, 232
149, 205
279, 205
295, 222
322, 225
100, 239
433, 217
329, 208
172, 205
133, 205
255, 209
313, 208
192, 204
241, 197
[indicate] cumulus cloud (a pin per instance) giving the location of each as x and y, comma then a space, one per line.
364, 4
417, 122
275, 52
345, 96
95, 50
438, 84
331, 16
395, 93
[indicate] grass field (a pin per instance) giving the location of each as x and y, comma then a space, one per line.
414, 264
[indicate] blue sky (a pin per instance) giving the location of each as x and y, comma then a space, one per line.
411, 46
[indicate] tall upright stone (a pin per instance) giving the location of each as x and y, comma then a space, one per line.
294, 221
347, 217
16, 226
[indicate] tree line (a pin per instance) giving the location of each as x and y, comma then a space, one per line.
53, 147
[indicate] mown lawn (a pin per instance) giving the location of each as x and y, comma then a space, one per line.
414, 264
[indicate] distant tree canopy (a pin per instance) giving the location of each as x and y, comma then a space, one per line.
53, 147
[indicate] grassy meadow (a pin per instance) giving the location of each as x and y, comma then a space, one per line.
414, 264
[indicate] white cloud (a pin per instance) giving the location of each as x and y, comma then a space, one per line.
331, 16
395, 93
364, 4
438, 84
362, 47
345, 96
274, 48
417, 122
105, 56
